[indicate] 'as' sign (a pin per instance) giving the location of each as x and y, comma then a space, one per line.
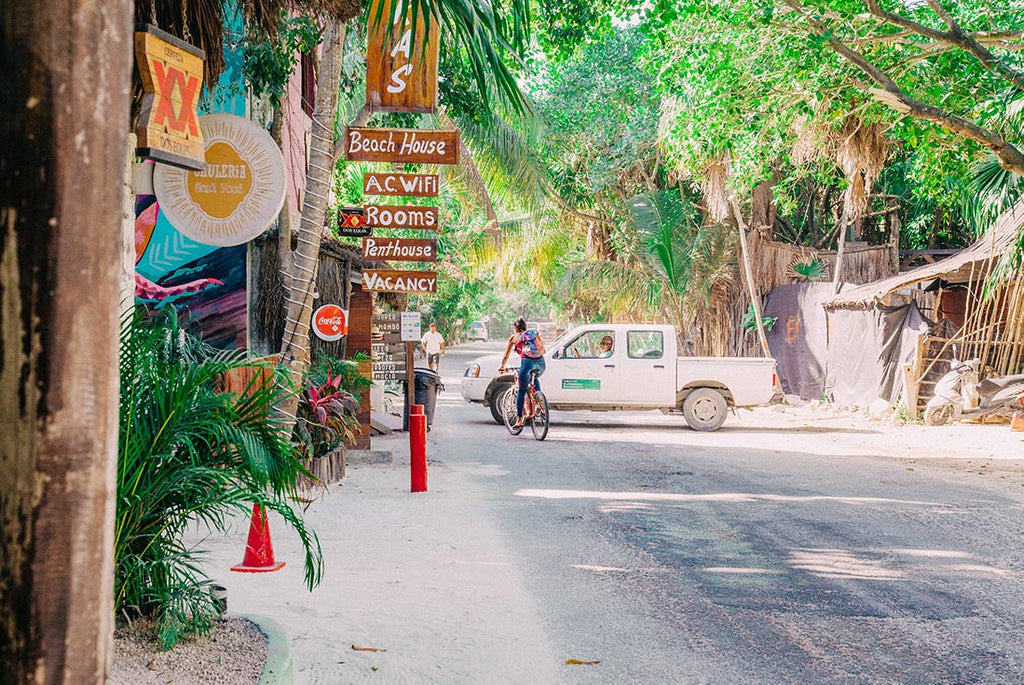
401, 67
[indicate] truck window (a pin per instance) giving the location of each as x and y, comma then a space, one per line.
645, 344
591, 345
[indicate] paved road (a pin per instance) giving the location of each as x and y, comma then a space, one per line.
672, 557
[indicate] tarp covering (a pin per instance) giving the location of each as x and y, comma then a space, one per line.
867, 349
799, 339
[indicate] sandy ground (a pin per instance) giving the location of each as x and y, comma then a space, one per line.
232, 654
406, 600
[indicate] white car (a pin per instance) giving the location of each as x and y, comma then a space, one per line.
477, 331
609, 367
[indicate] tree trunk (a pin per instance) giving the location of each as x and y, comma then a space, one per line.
748, 272
300, 265
65, 70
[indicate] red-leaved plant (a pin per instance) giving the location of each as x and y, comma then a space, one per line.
327, 417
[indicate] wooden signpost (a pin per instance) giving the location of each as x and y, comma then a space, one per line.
401, 68
172, 80
390, 361
401, 145
400, 185
388, 281
400, 249
395, 216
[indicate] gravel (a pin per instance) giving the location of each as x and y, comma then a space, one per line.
233, 652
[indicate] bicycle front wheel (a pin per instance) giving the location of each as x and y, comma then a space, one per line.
539, 424
508, 411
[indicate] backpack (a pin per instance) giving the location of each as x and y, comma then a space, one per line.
530, 344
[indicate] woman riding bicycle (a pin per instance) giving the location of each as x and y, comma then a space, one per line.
530, 348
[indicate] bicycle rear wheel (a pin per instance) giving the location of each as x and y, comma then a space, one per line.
539, 423
508, 411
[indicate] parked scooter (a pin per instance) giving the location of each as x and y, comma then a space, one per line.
959, 395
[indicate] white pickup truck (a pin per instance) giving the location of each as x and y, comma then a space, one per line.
638, 370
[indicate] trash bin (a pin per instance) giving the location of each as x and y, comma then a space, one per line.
427, 384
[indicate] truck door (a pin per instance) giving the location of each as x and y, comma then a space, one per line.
585, 370
647, 373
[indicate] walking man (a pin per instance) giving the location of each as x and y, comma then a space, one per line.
433, 345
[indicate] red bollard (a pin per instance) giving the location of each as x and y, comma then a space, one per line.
418, 447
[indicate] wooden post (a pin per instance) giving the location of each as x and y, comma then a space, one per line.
66, 84
410, 374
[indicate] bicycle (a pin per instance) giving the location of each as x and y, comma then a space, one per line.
535, 409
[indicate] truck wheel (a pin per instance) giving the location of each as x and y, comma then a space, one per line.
704, 409
497, 403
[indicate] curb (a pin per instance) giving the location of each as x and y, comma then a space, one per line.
278, 669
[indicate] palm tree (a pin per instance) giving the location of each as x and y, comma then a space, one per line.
486, 36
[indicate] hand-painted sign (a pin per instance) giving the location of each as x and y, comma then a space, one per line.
400, 249
386, 281
401, 145
330, 322
172, 79
352, 223
392, 216
237, 196
400, 185
388, 372
401, 68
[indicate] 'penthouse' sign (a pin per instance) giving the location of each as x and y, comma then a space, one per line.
401, 145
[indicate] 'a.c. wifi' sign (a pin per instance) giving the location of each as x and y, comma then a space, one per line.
172, 78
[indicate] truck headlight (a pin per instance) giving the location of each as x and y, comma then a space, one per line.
473, 371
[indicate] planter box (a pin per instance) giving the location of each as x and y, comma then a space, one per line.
328, 469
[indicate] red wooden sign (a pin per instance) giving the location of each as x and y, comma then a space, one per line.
400, 249
400, 185
387, 281
401, 145
401, 69
172, 80
392, 216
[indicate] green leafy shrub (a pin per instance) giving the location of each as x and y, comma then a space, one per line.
189, 454
749, 321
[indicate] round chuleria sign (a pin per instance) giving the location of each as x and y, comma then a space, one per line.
239, 194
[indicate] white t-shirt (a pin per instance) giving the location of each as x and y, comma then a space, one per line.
432, 342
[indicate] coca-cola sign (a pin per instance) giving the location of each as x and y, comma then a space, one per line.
330, 322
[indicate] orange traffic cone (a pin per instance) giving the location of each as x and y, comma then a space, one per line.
259, 551
1017, 424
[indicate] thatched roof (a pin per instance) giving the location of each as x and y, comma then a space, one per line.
206, 18
973, 262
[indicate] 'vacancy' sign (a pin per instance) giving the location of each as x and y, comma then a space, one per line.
386, 281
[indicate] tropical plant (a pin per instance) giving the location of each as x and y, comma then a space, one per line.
810, 270
749, 321
327, 417
190, 454
345, 372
